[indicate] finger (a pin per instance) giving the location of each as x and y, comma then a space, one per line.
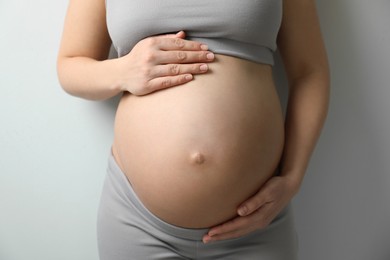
180, 34
175, 43
242, 225
258, 219
254, 203
177, 69
232, 225
170, 57
224, 236
166, 82
238, 227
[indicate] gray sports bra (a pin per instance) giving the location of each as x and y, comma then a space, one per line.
243, 28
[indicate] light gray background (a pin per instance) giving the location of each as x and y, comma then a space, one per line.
54, 147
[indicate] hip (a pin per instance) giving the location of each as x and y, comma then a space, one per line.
126, 228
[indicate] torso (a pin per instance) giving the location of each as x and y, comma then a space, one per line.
194, 152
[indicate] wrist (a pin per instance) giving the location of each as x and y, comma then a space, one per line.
294, 179
115, 82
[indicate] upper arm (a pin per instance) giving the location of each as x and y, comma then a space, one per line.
300, 41
85, 30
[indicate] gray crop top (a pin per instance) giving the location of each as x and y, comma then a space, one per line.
242, 28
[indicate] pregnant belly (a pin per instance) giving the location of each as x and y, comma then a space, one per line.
194, 152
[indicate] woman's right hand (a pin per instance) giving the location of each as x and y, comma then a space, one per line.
160, 62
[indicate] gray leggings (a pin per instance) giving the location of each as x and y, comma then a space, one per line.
127, 230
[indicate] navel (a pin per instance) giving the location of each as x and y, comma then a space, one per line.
197, 158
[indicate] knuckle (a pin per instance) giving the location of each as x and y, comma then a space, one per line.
194, 45
178, 43
185, 78
181, 79
146, 71
165, 83
150, 57
181, 55
175, 69
151, 41
202, 55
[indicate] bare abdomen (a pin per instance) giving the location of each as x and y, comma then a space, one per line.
194, 152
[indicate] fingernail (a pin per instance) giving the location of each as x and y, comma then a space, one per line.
242, 211
204, 47
203, 67
210, 56
188, 77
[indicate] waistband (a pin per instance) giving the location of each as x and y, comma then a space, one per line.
123, 183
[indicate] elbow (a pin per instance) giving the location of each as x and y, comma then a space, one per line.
319, 71
323, 74
314, 81
317, 76
62, 76
66, 81
322, 77
80, 77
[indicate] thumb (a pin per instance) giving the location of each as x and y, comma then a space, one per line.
252, 204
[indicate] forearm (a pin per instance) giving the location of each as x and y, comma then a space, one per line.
88, 78
306, 112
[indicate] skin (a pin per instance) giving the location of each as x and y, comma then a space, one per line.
84, 71
163, 62
303, 53
230, 115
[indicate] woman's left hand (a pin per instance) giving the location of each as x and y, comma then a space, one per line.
258, 211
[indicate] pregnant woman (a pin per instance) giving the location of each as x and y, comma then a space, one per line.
203, 164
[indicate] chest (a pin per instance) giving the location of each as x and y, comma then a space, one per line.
250, 21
